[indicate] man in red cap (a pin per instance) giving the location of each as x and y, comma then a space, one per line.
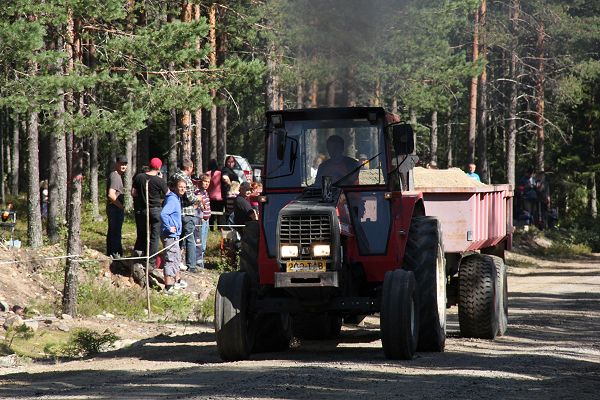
157, 189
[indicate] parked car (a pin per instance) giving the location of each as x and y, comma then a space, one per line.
242, 168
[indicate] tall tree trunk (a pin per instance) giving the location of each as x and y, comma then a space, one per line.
300, 95
69, 301
3, 130
540, 84
511, 150
172, 156
395, 106
473, 94
198, 140
434, 136
450, 139
71, 51
593, 196
128, 178
186, 134
213, 132
222, 132
212, 58
483, 115
14, 177
94, 176
352, 97
186, 115
57, 180
34, 223
198, 160
222, 49
313, 94
272, 87
8, 152
377, 93
413, 122
331, 94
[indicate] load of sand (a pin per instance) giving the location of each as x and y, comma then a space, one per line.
451, 177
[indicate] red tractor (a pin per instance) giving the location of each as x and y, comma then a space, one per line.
345, 239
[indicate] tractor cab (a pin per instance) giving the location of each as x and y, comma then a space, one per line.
326, 176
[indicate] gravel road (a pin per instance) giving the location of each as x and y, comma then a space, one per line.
551, 351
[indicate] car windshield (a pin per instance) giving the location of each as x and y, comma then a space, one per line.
350, 151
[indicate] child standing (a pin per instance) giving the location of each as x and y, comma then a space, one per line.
255, 191
170, 219
204, 213
234, 190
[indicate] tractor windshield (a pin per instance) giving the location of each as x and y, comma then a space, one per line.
350, 151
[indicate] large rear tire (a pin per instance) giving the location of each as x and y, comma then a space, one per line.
399, 318
502, 292
233, 318
478, 305
424, 256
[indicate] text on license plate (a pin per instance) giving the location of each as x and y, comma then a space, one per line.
305, 266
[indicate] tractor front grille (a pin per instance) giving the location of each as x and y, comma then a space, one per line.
305, 230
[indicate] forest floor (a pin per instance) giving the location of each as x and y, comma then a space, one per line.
551, 350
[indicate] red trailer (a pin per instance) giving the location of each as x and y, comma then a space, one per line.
476, 222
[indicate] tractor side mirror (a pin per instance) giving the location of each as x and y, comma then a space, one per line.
403, 139
281, 136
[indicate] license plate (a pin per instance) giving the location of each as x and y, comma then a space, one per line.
305, 266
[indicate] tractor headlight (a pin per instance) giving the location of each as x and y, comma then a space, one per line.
288, 251
321, 250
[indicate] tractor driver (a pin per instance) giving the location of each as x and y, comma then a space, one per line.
338, 165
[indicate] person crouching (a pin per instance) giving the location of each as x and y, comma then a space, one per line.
170, 218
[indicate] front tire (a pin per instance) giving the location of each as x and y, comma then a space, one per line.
399, 317
233, 319
478, 305
424, 256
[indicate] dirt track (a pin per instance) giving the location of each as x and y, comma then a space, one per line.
551, 351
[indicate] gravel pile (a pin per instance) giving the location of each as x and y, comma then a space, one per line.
451, 177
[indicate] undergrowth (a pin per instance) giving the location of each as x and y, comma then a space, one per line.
82, 343
94, 298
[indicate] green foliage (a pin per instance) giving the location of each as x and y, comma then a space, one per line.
94, 298
15, 332
581, 234
206, 309
82, 343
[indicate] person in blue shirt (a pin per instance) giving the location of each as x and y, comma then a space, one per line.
472, 173
170, 231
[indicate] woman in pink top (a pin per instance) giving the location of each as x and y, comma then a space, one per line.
215, 193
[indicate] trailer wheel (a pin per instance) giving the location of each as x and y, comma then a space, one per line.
249, 250
502, 291
273, 333
317, 326
478, 304
424, 256
233, 319
399, 318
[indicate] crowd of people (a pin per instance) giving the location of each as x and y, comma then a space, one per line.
179, 212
